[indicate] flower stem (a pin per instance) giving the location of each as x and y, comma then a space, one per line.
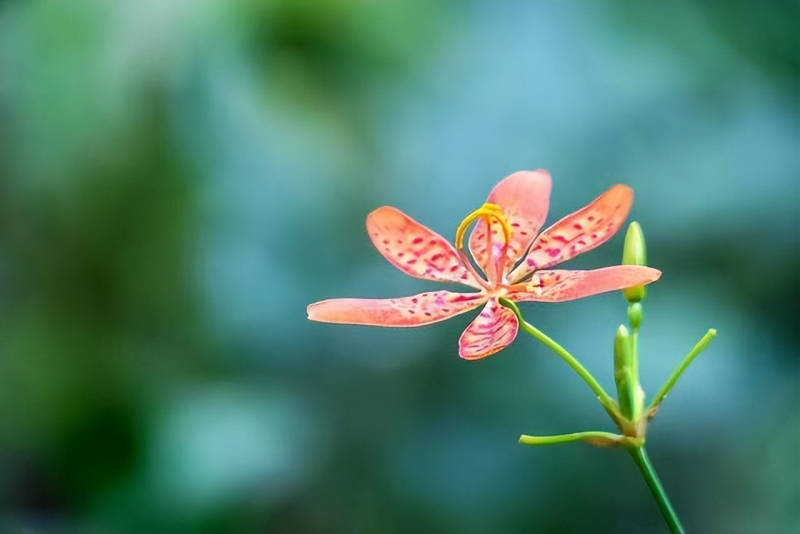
605, 399
676, 374
593, 437
650, 476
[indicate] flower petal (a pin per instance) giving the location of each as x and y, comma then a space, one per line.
416, 310
578, 232
524, 198
560, 285
414, 249
491, 331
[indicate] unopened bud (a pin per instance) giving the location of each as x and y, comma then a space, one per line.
624, 376
635, 314
634, 253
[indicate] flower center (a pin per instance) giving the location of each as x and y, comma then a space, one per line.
488, 212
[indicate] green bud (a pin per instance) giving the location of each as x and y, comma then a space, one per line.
635, 314
634, 253
624, 373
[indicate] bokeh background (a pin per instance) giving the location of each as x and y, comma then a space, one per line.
178, 180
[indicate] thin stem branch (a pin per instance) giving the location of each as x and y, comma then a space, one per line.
593, 437
650, 476
605, 399
676, 374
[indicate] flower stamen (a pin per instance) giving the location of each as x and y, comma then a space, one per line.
488, 212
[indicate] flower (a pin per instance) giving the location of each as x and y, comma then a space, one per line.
514, 257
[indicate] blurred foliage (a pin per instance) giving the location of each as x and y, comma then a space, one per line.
179, 180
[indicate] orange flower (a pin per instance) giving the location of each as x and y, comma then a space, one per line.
514, 257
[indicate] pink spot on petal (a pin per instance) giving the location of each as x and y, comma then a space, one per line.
417, 241
560, 238
577, 226
553, 252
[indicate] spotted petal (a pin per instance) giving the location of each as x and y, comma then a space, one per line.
491, 331
561, 285
414, 249
578, 232
416, 310
524, 198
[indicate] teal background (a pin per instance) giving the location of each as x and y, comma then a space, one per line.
178, 180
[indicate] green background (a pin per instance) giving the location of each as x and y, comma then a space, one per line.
178, 180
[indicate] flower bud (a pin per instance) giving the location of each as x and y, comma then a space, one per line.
624, 372
635, 315
634, 253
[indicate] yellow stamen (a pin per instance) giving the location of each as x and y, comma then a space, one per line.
487, 212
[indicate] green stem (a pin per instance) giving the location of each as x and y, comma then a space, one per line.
593, 437
635, 352
605, 399
676, 374
650, 476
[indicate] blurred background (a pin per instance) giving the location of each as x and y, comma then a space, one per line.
178, 180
